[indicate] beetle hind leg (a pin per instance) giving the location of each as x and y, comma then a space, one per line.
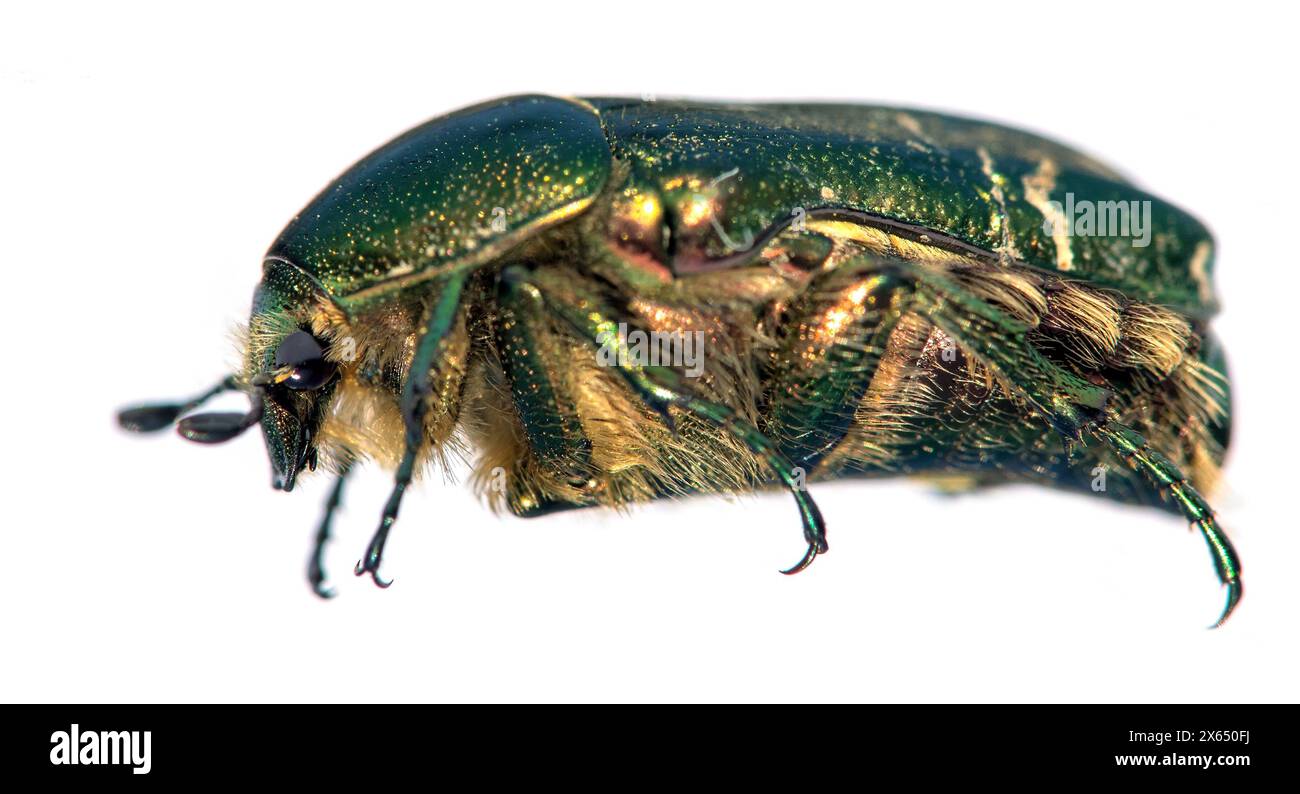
1073, 406
1165, 476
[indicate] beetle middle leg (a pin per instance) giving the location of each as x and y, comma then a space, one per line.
828, 359
663, 389
437, 324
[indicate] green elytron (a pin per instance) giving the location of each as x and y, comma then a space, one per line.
870, 291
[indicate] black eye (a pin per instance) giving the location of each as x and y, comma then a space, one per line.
306, 357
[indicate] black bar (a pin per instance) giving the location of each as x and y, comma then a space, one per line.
327, 745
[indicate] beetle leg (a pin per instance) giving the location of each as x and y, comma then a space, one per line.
828, 360
437, 323
316, 575
1073, 406
664, 388
1163, 475
530, 356
661, 389
1000, 341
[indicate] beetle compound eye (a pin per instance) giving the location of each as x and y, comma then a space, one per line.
310, 375
298, 348
302, 358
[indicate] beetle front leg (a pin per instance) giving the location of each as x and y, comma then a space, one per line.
418, 388
316, 575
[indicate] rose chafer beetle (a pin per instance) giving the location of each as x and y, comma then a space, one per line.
878, 292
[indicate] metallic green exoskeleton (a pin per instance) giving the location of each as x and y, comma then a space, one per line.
617, 300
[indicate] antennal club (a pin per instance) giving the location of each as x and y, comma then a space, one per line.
216, 427
152, 418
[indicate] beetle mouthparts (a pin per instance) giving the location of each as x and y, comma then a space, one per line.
288, 443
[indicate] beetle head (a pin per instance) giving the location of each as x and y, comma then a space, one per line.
292, 393
290, 372
290, 366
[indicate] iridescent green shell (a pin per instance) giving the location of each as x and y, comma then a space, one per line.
461, 189
453, 192
981, 185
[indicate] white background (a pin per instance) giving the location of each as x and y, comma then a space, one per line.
150, 155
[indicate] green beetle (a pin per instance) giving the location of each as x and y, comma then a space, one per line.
617, 300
